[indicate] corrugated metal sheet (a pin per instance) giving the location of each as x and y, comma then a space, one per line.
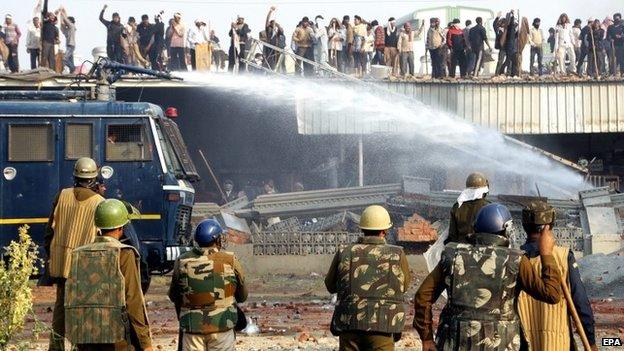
512, 108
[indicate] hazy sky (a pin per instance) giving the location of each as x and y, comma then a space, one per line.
220, 13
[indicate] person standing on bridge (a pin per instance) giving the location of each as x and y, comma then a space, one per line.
547, 327
564, 44
33, 42
615, 34
68, 27
584, 40
477, 38
483, 279
71, 224
391, 51
207, 283
239, 34
114, 32
457, 44
12, 35
370, 278
468, 204
303, 37
596, 55
104, 285
536, 40
178, 57
435, 45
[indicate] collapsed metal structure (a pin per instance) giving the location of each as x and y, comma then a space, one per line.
319, 221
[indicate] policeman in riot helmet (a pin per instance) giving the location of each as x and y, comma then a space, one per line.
552, 331
104, 284
206, 308
483, 279
468, 204
71, 224
370, 278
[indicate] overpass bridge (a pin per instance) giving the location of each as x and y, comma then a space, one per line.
511, 107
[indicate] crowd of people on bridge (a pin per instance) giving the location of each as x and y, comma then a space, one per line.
351, 45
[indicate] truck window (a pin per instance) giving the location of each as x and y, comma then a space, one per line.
31, 142
127, 142
78, 141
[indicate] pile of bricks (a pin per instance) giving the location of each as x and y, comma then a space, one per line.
417, 229
237, 238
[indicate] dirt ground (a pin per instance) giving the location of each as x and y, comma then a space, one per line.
292, 313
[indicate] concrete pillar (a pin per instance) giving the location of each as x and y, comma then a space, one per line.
360, 162
332, 173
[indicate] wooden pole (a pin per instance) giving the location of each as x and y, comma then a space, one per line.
573, 312
214, 177
591, 31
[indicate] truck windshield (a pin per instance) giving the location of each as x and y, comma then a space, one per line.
174, 150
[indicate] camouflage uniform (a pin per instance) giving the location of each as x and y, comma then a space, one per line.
462, 220
205, 287
483, 282
370, 279
104, 305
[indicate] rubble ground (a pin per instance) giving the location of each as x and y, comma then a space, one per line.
292, 312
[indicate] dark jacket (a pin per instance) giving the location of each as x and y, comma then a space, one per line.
462, 220
49, 31
392, 39
577, 290
595, 41
585, 37
499, 33
242, 32
159, 34
145, 33
511, 42
477, 37
113, 30
615, 33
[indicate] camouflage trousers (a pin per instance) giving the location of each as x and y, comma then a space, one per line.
362, 341
57, 336
223, 341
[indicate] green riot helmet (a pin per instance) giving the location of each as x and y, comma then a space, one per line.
111, 214
85, 168
476, 180
538, 213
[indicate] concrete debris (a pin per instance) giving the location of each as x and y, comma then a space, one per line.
603, 275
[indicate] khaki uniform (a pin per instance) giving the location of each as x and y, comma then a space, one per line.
483, 282
105, 307
462, 220
205, 287
70, 225
370, 278
546, 326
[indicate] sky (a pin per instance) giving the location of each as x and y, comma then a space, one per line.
220, 13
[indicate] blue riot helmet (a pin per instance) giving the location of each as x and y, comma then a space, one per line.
207, 232
493, 219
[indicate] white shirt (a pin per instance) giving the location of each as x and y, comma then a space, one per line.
576, 36
195, 36
33, 37
563, 36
